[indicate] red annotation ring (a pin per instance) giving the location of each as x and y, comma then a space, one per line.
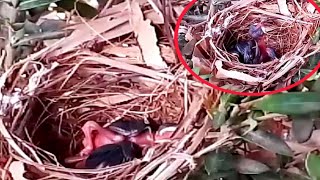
182, 60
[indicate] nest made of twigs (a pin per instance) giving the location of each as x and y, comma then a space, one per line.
291, 36
61, 95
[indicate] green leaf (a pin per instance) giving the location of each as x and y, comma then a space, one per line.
302, 127
216, 176
316, 86
30, 4
251, 123
206, 76
316, 36
293, 176
268, 141
219, 118
84, 9
313, 61
249, 166
198, 176
219, 161
256, 114
292, 103
227, 98
221, 115
266, 176
305, 72
312, 164
196, 70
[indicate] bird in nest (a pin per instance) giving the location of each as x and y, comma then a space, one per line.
255, 50
120, 142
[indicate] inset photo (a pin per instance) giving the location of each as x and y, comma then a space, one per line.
250, 47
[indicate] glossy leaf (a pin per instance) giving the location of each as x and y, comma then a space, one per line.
293, 176
266, 176
256, 114
302, 127
305, 72
268, 141
219, 118
30, 4
196, 70
312, 164
293, 103
316, 86
206, 76
221, 115
215, 176
316, 36
249, 166
198, 176
84, 9
229, 98
313, 61
218, 161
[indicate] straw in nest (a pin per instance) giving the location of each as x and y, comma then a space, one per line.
48, 97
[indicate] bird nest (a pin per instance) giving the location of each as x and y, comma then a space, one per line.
289, 29
50, 100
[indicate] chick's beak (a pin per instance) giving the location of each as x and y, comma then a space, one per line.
96, 136
145, 139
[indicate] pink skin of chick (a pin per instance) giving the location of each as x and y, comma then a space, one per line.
104, 136
148, 139
96, 136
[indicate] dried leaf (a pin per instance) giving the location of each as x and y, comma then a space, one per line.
249, 166
268, 141
310, 7
312, 164
302, 127
147, 38
125, 52
8, 12
50, 25
41, 36
283, 7
292, 103
222, 73
30, 4
154, 17
82, 33
17, 170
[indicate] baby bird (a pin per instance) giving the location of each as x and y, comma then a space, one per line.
266, 53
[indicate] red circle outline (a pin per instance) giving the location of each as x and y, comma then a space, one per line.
181, 59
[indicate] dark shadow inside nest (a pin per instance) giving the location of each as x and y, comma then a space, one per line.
50, 134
